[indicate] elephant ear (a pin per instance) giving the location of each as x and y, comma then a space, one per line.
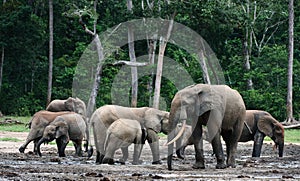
70, 104
266, 124
153, 119
210, 98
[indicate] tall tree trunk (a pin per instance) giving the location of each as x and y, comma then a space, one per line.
50, 72
247, 45
134, 76
289, 105
1, 66
151, 52
162, 47
204, 67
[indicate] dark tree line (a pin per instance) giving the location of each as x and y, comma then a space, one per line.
250, 39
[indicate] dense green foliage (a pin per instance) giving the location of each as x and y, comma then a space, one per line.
223, 24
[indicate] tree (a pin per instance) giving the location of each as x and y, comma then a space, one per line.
289, 106
50, 72
134, 76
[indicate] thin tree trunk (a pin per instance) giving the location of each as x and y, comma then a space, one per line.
289, 105
50, 72
151, 51
162, 47
134, 76
1, 66
204, 67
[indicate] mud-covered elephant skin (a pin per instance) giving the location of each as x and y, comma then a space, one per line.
64, 128
37, 125
153, 120
259, 125
220, 108
70, 104
121, 134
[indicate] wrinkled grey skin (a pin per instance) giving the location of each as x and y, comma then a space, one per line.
261, 124
64, 128
70, 104
219, 107
37, 125
153, 120
121, 134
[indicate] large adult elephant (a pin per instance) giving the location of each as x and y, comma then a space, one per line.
261, 124
219, 107
153, 120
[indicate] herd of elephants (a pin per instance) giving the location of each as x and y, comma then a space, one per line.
218, 107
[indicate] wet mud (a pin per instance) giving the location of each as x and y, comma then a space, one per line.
27, 166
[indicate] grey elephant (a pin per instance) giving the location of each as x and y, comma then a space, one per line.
261, 124
70, 104
74, 105
153, 120
121, 134
64, 128
220, 108
37, 125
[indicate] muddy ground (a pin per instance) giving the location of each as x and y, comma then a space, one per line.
17, 166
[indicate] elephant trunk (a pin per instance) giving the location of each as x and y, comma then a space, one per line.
42, 140
280, 149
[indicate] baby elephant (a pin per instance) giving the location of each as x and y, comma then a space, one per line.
261, 124
121, 134
64, 128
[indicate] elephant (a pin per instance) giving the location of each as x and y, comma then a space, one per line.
121, 134
153, 120
64, 128
220, 108
70, 104
37, 125
74, 105
258, 125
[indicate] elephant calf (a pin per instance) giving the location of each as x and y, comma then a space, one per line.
64, 128
37, 125
261, 124
121, 134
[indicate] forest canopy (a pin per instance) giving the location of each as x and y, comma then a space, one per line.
233, 29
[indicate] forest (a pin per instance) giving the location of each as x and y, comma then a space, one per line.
249, 38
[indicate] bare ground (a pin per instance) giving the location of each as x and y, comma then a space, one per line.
17, 166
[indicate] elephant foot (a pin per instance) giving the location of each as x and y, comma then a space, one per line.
90, 152
179, 154
21, 149
198, 166
62, 155
99, 158
109, 161
231, 166
221, 166
158, 162
139, 162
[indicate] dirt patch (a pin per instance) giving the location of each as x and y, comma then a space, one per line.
17, 166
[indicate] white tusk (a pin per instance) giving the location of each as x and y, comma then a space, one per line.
178, 135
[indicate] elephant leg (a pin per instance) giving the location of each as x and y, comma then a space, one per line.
218, 150
137, 153
258, 141
28, 140
35, 145
180, 148
125, 155
153, 141
198, 145
78, 149
61, 146
99, 131
109, 153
